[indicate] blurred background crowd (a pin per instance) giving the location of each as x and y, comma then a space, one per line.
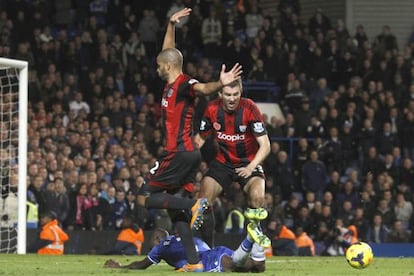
94, 115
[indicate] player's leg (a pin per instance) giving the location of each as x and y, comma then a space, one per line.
171, 171
180, 221
160, 200
209, 189
243, 251
217, 178
255, 190
254, 239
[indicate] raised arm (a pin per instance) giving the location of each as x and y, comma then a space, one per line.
225, 79
169, 38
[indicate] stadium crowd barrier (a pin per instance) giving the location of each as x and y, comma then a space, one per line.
262, 91
90, 242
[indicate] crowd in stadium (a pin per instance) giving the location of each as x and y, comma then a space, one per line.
94, 112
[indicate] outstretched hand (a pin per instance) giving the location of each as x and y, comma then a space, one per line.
112, 264
175, 18
228, 77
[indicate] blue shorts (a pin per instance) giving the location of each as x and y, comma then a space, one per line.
211, 259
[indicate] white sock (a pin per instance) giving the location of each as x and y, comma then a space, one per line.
258, 253
242, 252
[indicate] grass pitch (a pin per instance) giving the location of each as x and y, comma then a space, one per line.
79, 265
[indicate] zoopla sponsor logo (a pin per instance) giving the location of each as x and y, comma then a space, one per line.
231, 138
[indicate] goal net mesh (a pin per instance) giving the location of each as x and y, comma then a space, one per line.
9, 95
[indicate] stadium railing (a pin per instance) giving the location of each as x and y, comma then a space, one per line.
261, 91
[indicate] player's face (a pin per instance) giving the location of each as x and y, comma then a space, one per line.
231, 97
162, 70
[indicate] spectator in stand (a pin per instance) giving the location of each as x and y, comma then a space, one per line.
149, 28
315, 128
130, 239
301, 156
119, 209
372, 164
407, 131
305, 221
345, 212
283, 239
269, 60
387, 213
254, 21
236, 51
361, 223
303, 118
386, 140
348, 193
283, 176
318, 94
391, 169
57, 199
294, 95
386, 41
138, 214
341, 238
407, 172
403, 210
211, 34
377, 232
314, 175
319, 22
272, 158
290, 210
79, 217
334, 184
51, 238
308, 200
257, 73
398, 234
304, 243
35, 194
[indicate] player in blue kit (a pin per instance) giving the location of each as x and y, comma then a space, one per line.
248, 257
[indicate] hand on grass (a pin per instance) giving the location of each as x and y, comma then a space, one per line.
112, 264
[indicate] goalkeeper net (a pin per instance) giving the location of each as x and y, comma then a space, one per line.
13, 155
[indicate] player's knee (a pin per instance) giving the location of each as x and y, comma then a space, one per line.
257, 201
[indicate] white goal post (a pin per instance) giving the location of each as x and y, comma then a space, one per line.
19, 72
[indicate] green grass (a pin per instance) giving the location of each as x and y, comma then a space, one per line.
93, 265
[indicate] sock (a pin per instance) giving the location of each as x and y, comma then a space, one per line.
242, 252
208, 228
184, 231
167, 201
258, 253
